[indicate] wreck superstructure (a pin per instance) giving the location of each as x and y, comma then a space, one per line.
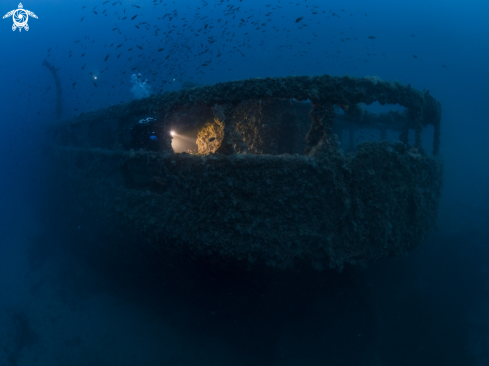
268, 181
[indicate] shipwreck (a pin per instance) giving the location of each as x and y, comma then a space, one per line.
263, 171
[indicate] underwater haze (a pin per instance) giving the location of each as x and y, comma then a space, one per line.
61, 306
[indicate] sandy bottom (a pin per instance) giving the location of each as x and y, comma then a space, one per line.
56, 310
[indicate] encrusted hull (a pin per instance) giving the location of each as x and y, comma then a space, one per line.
325, 208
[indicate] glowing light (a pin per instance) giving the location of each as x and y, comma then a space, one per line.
95, 77
172, 133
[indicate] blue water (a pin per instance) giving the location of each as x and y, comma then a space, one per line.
427, 308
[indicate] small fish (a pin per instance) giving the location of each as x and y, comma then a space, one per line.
106, 57
299, 19
415, 56
137, 6
371, 37
212, 139
134, 17
82, 19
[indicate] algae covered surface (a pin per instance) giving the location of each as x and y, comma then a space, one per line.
268, 182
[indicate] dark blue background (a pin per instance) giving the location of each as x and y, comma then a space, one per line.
429, 307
